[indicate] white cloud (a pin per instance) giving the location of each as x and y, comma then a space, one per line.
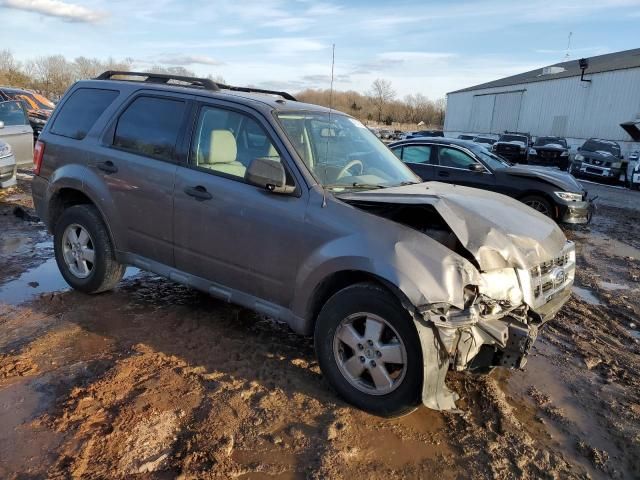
56, 8
188, 60
289, 24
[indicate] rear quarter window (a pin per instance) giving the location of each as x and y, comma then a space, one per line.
80, 112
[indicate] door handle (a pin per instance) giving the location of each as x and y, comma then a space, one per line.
442, 173
198, 192
107, 167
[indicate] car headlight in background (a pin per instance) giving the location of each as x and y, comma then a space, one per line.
579, 157
5, 150
532, 151
569, 196
564, 154
616, 165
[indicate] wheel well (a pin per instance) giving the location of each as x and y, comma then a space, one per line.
339, 280
541, 194
63, 199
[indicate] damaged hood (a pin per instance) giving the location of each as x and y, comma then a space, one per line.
497, 230
563, 180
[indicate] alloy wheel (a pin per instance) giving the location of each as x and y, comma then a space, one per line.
370, 353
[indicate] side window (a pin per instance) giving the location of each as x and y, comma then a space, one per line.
80, 112
450, 157
227, 142
149, 127
416, 154
12, 113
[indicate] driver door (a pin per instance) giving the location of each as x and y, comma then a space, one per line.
16, 131
456, 166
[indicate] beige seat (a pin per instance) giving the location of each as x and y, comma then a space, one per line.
223, 152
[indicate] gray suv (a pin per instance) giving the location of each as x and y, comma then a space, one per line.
298, 212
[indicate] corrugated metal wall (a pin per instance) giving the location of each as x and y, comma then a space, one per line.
564, 106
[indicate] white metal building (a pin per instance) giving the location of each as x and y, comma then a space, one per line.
554, 101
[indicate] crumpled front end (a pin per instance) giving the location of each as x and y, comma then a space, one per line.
497, 327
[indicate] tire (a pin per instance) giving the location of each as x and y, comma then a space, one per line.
344, 309
99, 275
539, 204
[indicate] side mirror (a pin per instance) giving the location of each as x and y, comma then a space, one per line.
476, 167
1, 124
268, 174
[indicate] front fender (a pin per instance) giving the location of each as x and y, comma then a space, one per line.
424, 270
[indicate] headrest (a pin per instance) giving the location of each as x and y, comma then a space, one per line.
223, 148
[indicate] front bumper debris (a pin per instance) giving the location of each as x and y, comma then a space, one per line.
491, 332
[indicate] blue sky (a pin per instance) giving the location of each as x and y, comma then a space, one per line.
420, 46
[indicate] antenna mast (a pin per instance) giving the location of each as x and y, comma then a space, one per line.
567, 56
326, 158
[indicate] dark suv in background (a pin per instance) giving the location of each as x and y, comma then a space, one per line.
298, 212
550, 152
600, 159
514, 146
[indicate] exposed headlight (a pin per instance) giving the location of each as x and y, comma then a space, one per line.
616, 165
5, 150
532, 151
564, 154
502, 285
569, 196
579, 157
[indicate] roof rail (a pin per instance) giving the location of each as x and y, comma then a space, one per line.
205, 83
284, 95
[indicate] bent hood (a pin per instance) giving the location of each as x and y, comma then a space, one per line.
497, 230
563, 180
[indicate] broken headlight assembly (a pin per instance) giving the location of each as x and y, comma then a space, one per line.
5, 150
569, 196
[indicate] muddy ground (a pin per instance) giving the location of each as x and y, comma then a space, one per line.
157, 381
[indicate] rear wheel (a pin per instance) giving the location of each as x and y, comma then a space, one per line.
369, 351
538, 203
84, 252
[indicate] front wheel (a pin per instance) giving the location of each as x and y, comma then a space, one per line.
539, 204
369, 350
84, 252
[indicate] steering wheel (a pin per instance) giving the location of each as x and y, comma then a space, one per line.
348, 167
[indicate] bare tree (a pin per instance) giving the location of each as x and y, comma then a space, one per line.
381, 93
10, 69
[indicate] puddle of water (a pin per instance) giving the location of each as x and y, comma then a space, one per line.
586, 295
612, 287
614, 246
44, 278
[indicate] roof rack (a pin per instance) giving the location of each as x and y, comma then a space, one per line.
284, 95
205, 83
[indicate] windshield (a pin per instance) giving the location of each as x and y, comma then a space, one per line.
602, 146
541, 141
492, 160
513, 138
342, 153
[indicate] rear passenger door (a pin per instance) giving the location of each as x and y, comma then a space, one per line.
227, 231
139, 167
418, 158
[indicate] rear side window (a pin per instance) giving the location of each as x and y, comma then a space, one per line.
80, 112
149, 127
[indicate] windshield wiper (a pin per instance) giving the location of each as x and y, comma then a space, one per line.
366, 186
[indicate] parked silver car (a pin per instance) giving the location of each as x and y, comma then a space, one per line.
7, 166
302, 214
16, 131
